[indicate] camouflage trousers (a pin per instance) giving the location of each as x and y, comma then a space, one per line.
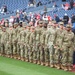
57, 56
46, 52
41, 49
67, 55
51, 54
22, 50
26, 51
9, 48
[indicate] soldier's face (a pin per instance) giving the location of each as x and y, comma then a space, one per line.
61, 26
68, 29
40, 24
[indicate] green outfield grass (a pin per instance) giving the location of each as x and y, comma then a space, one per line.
10, 66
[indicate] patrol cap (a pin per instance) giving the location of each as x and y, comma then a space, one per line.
61, 23
24, 24
15, 24
54, 21
45, 22
68, 26
40, 22
28, 25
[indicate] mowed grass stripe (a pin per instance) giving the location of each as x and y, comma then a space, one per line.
4, 73
16, 70
25, 68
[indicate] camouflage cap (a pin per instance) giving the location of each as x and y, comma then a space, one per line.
40, 22
15, 24
54, 21
68, 26
45, 22
24, 24
61, 23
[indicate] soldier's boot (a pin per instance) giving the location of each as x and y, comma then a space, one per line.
42, 63
62, 67
55, 65
58, 66
8, 55
0, 54
19, 57
51, 65
22, 58
65, 68
30, 60
34, 61
11, 56
69, 68
46, 64
38, 62
14, 56
26, 60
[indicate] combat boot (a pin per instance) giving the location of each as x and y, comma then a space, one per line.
34, 61
69, 68
65, 68
22, 58
19, 57
58, 66
31, 60
38, 62
46, 63
51, 65
26, 60
42, 63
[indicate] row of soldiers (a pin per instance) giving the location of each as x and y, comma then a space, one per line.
48, 44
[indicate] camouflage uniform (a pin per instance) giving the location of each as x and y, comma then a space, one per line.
27, 44
58, 44
4, 39
37, 39
51, 45
0, 39
67, 49
9, 45
32, 45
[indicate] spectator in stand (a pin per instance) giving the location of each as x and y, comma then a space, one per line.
57, 19
45, 10
39, 3
65, 18
71, 3
67, 6
73, 18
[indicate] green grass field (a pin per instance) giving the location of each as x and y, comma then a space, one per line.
10, 66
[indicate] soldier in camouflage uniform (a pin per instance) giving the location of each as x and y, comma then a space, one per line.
42, 42
51, 43
46, 49
4, 39
27, 43
9, 45
37, 39
19, 28
22, 42
67, 49
15, 40
58, 45
0, 37
32, 45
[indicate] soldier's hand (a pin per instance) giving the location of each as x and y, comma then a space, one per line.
55, 46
